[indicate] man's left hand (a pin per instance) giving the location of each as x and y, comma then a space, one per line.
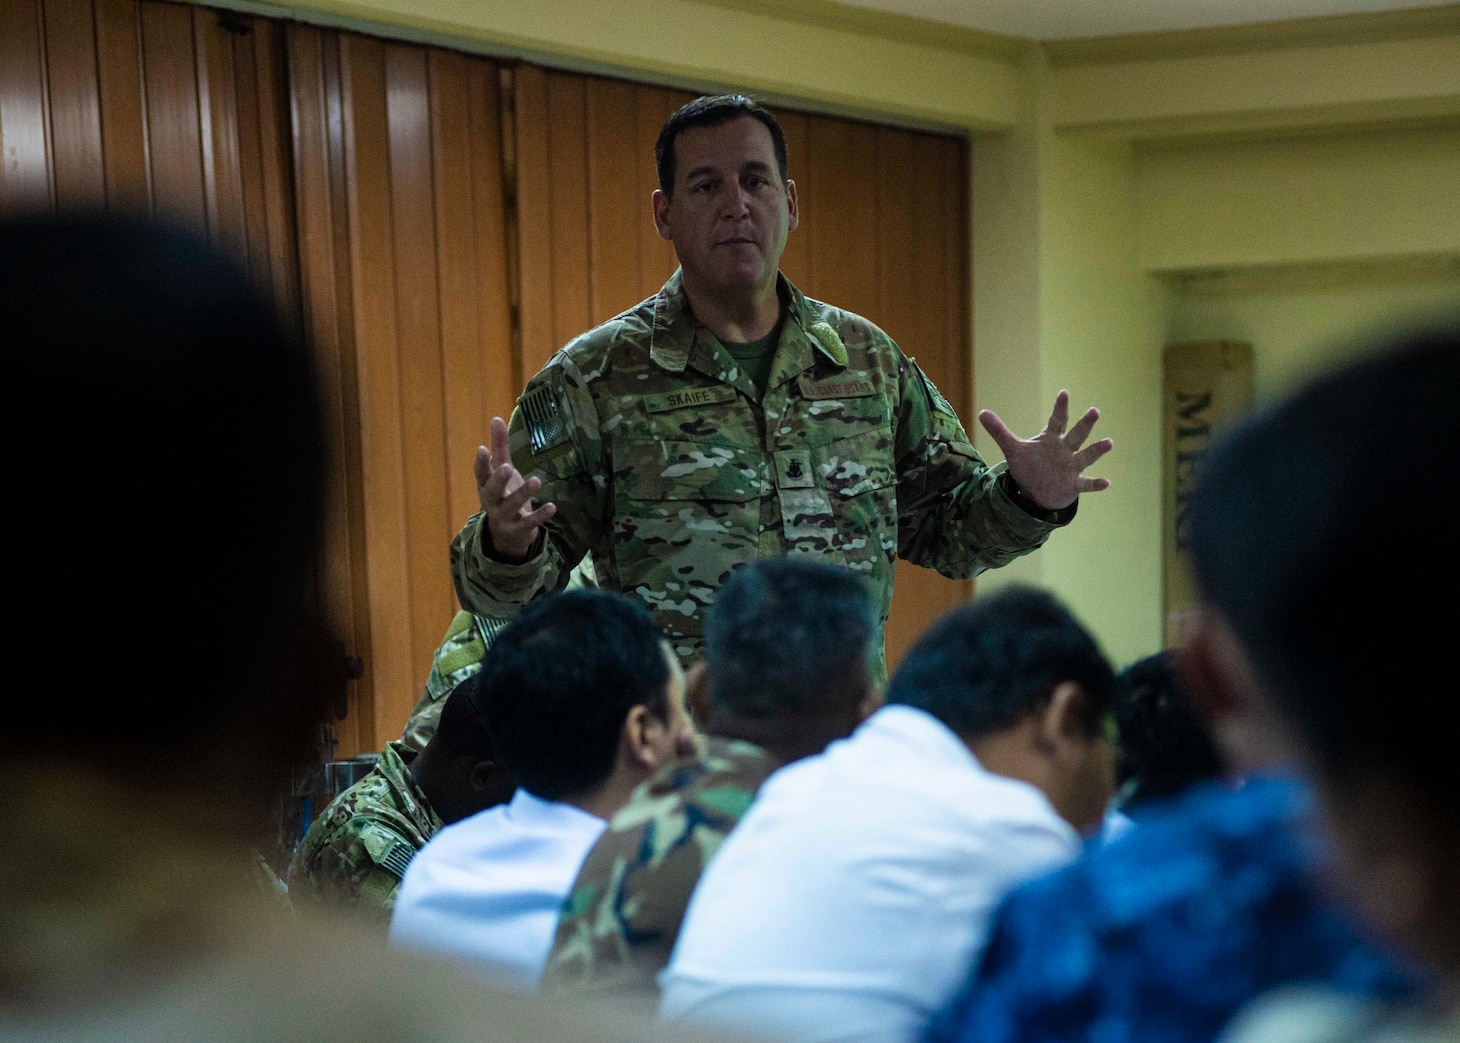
1049, 467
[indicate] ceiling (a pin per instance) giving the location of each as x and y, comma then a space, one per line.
1063, 19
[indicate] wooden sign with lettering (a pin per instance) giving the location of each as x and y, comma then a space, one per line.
1206, 385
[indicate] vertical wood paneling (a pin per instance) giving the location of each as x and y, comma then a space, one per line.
615, 213
75, 101
219, 136
568, 206
324, 273
534, 219
174, 140
796, 260
428, 529
655, 260
264, 79
373, 277
123, 112
25, 182
499, 381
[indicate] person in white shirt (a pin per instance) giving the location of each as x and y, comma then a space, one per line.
584, 701
858, 888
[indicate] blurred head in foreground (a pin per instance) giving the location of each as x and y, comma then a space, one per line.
1320, 532
166, 467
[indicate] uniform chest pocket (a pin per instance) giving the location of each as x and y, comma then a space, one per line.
857, 464
674, 470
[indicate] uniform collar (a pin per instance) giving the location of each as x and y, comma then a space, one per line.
678, 340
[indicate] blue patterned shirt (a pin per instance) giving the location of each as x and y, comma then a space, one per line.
1163, 935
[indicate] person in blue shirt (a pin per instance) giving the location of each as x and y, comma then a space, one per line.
1163, 935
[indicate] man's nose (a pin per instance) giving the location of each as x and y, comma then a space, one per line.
734, 201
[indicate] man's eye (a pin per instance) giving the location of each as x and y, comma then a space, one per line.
756, 182
704, 187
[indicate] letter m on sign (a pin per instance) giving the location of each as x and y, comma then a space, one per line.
1204, 385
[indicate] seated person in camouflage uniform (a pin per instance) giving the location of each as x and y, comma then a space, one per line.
788, 646
459, 656
586, 702
356, 853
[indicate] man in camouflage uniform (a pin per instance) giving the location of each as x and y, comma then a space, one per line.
789, 648
729, 418
356, 853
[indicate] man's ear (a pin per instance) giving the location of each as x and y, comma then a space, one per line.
485, 776
792, 205
697, 693
1211, 666
640, 737
660, 204
1063, 719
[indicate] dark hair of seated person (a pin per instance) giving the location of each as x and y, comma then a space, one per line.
788, 645
1164, 746
166, 454
985, 667
460, 769
562, 677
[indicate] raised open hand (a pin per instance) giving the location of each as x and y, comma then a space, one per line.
1049, 467
512, 516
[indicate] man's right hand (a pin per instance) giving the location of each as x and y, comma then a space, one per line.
506, 497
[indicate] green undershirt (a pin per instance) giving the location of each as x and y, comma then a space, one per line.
756, 357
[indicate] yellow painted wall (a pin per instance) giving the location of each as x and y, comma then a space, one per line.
1296, 200
1302, 322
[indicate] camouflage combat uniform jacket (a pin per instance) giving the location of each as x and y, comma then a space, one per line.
356, 852
666, 462
622, 917
457, 657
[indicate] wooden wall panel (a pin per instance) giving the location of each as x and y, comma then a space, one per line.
402, 219
170, 94
327, 306
125, 165
75, 102
25, 168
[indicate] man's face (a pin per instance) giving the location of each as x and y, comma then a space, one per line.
731, 209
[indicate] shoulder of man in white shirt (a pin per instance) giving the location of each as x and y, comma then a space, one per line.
859, 886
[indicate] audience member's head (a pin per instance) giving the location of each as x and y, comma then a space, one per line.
1318, 531
1025, 686
1164, 746
788, 645
585, 697
167, 458
459, 770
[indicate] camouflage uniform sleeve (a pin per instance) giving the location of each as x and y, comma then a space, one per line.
554, 435
955, 513
345, 873
457, 658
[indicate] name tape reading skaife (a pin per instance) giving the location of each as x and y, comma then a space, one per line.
819, 389
713, 396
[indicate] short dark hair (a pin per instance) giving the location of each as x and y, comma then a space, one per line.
464, 727
1318, 530
1164, 746
163, 429
713, 111
560, 680
781, 630
985, 667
